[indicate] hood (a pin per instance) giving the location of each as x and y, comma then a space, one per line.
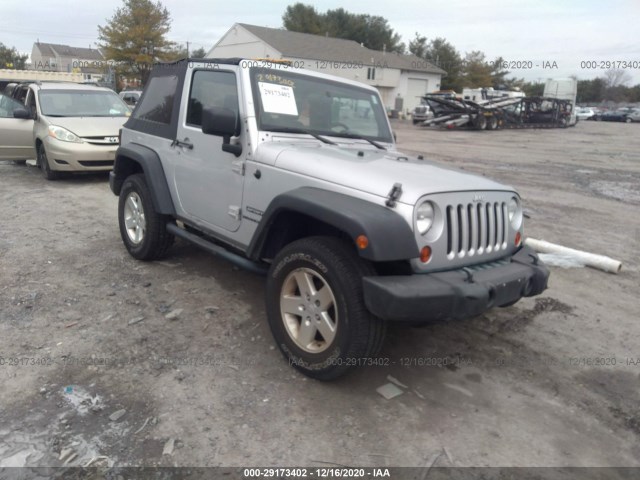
90, 126
374, 172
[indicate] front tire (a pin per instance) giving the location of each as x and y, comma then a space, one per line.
316, 310
43, 163
143, 230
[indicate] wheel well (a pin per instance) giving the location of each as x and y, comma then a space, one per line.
127, 167
123, 168
38, 143
291, 226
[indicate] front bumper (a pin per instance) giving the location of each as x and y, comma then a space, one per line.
69, 156
455, 294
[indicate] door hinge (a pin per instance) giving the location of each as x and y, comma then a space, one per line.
234, 211
238, 166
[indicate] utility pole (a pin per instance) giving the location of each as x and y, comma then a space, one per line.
187, 49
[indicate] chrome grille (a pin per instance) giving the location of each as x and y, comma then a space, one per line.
476, 229
111, 140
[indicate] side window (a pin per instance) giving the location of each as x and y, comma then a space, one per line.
21, 94
7, 105
211, 89
157, 105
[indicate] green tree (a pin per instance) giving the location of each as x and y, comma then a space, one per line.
499, 78
441, 53
372, 31
533, 89
418, 46
198, 53
11, 58
477, 71
591, 91
303, 18
136, 37
634, 94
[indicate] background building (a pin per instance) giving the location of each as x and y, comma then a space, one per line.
62, 58
396, 76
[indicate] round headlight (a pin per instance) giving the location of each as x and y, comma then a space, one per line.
424, 217
514, 212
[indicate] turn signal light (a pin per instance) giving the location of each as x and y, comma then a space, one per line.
425, 254
518, 239
362, 242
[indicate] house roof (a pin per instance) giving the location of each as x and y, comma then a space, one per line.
318, 47
52, 50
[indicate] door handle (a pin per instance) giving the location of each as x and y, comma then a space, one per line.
182, 143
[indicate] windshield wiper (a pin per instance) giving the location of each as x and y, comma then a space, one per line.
301, 130
359, 137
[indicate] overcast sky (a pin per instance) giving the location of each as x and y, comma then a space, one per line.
566, 32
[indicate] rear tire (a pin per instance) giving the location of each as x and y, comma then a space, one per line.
492, 124
480, 122
143, 230
316, 310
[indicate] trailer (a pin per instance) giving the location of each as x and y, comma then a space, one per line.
508, 112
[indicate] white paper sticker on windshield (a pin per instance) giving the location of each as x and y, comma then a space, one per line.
278, 98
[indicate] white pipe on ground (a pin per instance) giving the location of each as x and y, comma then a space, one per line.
589, 259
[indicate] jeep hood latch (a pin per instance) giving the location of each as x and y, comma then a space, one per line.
394, 195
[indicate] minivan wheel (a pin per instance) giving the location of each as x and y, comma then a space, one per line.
43, 163
316, 310
142, 229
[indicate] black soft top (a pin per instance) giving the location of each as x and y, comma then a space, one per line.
166, 125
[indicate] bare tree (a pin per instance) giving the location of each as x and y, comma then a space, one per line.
615, 77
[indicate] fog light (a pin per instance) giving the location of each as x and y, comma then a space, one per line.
362, 242
425, 254
518, 239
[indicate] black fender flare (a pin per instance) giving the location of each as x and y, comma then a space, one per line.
149, 162
390, 236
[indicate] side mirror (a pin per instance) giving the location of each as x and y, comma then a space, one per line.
222, 122
22, 113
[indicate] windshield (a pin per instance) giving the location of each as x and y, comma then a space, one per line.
82, 103
287, 100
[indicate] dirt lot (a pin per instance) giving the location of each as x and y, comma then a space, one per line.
552, 381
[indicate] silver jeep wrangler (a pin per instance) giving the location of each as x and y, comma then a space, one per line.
295, 174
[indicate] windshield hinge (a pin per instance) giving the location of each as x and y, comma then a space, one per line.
238, 167
394, 195
234, 211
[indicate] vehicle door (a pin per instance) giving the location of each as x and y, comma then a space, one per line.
16, 134
208, 181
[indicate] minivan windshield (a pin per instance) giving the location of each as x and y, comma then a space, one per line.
82, 103
290, 101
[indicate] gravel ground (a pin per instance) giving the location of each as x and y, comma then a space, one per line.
110, 361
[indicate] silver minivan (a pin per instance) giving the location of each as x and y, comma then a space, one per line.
67, 127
